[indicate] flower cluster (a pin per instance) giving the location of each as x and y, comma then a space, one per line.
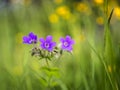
48, 48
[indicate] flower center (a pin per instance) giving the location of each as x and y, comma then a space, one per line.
31, 41
47, 45
65, 44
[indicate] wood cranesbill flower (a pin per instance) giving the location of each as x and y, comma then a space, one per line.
47, 43
30, 39
67, 43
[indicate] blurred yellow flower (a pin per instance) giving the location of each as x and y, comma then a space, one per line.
17, 70
109, 68
99, 1
18, 38
82, 7
117, 12
100, 20
67, 16
82, 37
64, 12
58, 1
53, 18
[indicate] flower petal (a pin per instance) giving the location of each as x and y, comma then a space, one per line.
69, 48
63, 46
62, 40
68, 37
53, 44
35, 37
25, 39
50, 49
49, 38
72, 42
42, 40
42, 46
31, 35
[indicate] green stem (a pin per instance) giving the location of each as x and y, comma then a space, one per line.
47, 62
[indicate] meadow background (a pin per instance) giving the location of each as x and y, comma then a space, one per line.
95, 62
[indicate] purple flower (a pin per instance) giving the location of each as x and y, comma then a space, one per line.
66, 43
47, 43
30, 39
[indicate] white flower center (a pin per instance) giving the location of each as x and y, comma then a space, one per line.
65, 44
47, 45
31, 41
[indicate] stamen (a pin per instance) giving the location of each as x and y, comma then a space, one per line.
47, 45
66, 44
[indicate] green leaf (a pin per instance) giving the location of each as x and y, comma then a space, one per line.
108, 48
